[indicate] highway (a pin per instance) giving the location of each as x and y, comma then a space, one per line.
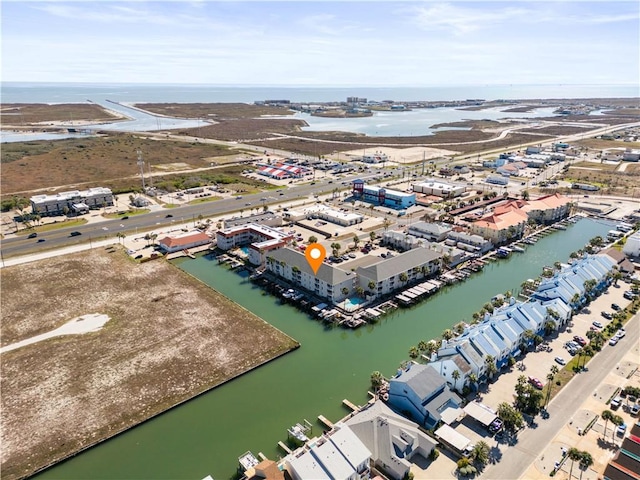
21, 245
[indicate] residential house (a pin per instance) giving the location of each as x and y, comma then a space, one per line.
466, 241
393, 440
338, 455
393, 273
330, 283
420, 391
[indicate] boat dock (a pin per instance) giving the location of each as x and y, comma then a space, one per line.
350, 405
284, 447
324, 420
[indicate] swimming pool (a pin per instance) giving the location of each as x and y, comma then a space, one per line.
353, 303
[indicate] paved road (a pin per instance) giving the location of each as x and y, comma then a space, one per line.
532, 442
141, 223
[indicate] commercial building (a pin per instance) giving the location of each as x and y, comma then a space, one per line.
183, 241
432, 231
497, 180
283, 170
440, 189
260, 239
632, 245
422, 392
382, 196
327, 213
74, 202
330, 283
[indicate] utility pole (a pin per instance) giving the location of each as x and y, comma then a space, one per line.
141, 165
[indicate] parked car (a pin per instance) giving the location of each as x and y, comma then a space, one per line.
619, 334
629, 295
496, 426
613, 341
597, 324
581, 341
41, 240
168, 215
560, 360
606, 315
634, 409
32, 235
536, 383
615, 403
615, 306
621, 429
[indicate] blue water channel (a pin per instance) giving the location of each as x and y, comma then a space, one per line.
205, 436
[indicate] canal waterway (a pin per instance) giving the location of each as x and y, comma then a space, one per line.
253, 412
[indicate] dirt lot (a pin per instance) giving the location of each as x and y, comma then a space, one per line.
169, 338
608, 177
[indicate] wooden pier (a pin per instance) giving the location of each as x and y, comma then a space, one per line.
284, 447
325, 421
350, 405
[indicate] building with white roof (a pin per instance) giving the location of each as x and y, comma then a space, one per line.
438, 188
283, 170
337, 455
74, 201
327, 213
632, 246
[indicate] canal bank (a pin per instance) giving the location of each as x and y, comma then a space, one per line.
206, 435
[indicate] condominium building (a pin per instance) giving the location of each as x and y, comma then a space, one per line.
260, 239
74, 202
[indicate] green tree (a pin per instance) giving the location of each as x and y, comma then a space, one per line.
371, 285
573, 454
511, 417
490, 363
345, 291
480, 453
447, 334
456, 376
404, 277
607, 415
586, 460
422, 345
313, 239
473, 379
376, 380
372, 236
414, 352
356, 240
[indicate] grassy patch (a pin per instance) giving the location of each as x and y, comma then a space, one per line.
128, 213
204, 200
48, 227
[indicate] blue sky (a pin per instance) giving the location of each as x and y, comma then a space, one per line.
380, 43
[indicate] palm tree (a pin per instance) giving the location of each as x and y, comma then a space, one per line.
447, 334
456, 376
480, 453
345, 291
376, 380
414, 352
422, 345
371, 285
586, 460
473, 379
356, 240
573, 454
490, 362
606, 416
335, 247
404, 277
372, 236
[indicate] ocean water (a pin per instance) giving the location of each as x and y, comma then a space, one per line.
33, 92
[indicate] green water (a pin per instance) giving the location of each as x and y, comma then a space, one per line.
253, 412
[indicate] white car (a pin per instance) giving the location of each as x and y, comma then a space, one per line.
613, 341
619, 334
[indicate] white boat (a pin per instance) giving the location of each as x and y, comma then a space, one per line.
517, 248
299, 433
248, 460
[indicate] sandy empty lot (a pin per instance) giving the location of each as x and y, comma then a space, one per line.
169, 338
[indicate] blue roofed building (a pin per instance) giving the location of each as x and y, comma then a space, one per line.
422, 393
